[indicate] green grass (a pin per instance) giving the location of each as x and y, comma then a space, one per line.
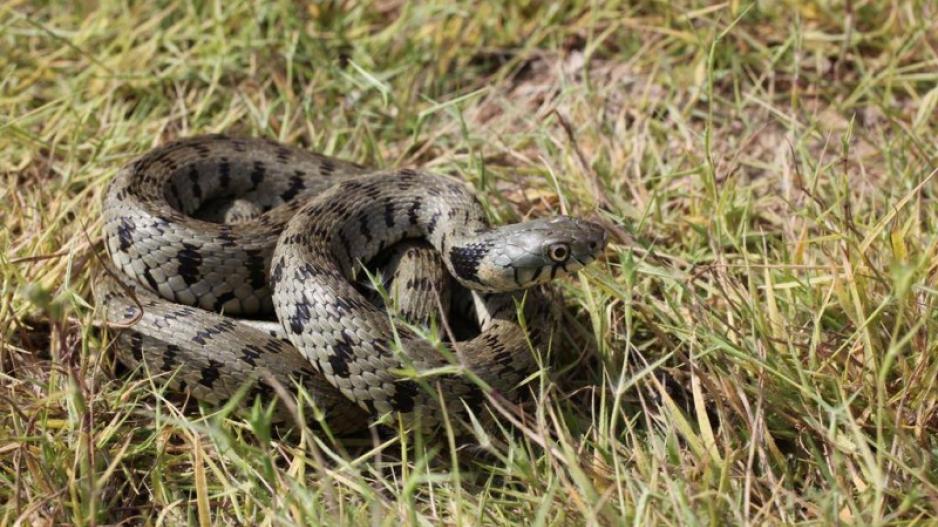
759, 345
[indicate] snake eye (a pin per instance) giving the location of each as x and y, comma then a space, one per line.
559, 252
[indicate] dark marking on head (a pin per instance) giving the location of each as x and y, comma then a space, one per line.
465, 260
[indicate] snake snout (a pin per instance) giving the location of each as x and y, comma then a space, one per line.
537, 251
586, 241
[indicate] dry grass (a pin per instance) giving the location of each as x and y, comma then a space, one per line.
759, 346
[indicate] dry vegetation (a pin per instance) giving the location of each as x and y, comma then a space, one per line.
759, 345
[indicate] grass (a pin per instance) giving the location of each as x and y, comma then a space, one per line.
759, 345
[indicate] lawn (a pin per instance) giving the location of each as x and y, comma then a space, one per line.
757, 346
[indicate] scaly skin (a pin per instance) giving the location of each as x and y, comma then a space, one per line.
326, 217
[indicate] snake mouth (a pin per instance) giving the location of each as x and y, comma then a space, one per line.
584, 261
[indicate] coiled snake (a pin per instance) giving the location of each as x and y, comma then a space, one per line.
310, 223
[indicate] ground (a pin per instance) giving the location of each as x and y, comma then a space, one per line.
757, 346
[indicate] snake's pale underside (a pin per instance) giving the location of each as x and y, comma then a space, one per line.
207, 229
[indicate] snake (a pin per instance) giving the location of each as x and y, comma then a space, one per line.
292, 246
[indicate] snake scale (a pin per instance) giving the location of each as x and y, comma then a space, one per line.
294, 250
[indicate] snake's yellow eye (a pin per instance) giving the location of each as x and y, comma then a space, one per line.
559, 252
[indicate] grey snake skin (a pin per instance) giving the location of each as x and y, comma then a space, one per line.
292, 243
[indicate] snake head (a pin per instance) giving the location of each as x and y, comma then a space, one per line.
526, 254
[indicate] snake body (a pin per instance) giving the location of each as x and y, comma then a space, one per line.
312, 222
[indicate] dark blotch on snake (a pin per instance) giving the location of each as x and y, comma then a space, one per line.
389, 215
257, 174
224, 173
201, 149
274, 346
256, 267
223, 299
190, 260
226, 237
125, 234
466, 259
169, 357
363, 228
341, 355
296, 186
432, 224
300, 318
150, 280
276, 273
202, 336
326, 167
404, 394
346, 245
136, 346
210, 373
194, 179
262, 391
250, 353
412, 212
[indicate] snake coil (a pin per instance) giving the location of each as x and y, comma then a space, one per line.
293, 250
